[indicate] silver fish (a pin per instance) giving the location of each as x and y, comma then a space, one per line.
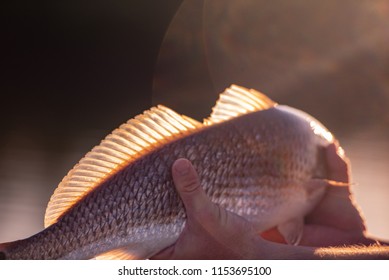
261, 160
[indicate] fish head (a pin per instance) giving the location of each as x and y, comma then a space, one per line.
325, 137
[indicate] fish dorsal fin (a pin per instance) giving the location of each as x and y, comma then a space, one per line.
236, 101
130, 141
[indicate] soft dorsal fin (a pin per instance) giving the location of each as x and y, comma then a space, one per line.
130, 141
236, 101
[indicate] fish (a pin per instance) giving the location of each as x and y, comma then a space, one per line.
256, 158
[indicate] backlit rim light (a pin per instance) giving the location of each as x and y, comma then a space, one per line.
319, 130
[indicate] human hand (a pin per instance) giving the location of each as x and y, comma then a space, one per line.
336, 220
211, 232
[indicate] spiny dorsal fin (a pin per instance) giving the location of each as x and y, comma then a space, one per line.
236, 101
130, 141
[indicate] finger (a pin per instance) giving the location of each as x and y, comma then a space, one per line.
338, 168
187, 183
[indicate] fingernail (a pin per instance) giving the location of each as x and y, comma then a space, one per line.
182, 166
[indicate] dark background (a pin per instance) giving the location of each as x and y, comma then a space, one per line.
71, 65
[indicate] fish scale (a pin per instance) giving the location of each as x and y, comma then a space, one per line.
257, 164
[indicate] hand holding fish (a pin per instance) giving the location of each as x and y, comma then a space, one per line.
212, 232
336, 220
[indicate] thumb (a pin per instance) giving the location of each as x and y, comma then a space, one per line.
187, 183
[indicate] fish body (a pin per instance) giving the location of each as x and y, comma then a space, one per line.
259, 163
